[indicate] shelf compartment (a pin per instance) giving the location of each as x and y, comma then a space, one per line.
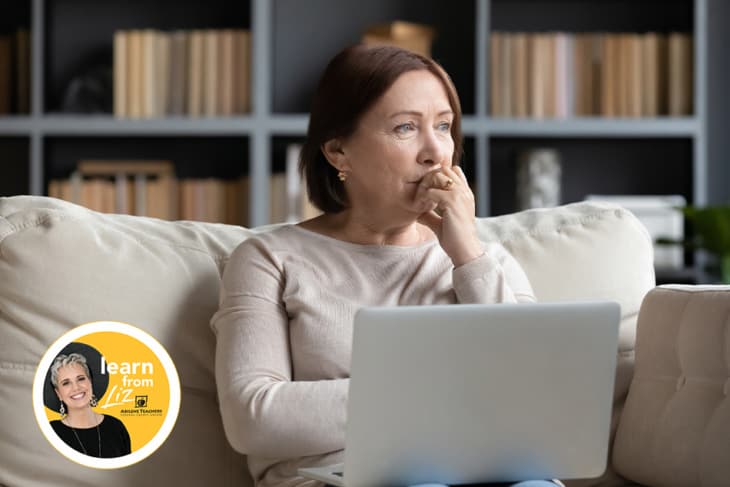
193, 157
593, 16
293, 28
209, 182
15, 58
639, 166
68, 54
14, 168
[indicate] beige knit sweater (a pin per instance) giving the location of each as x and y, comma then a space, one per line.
284, 331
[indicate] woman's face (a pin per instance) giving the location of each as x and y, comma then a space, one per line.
74, 386
406, 134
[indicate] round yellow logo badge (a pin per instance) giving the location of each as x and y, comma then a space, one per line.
106, 395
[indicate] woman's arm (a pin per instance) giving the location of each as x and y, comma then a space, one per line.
264, 412
495, 277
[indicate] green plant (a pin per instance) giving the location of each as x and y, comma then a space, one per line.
711, 230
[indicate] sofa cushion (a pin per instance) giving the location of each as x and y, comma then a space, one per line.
62, 265
584, 251
675, 428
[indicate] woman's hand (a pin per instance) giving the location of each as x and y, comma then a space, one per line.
450, 212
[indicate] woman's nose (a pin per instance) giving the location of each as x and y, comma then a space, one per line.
432, 151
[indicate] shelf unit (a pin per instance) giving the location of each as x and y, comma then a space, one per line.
291, 47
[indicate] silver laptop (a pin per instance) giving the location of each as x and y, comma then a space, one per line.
459, 394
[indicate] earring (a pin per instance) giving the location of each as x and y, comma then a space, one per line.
93, 402
342, 176
62, 410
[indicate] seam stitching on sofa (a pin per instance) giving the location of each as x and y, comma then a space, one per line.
32, 224
6, 228
46, 218
5, 365
679, 332
692, 291
727, 345
580, 221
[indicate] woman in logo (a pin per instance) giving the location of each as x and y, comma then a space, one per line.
83, 429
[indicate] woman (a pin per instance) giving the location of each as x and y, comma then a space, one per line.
81, 428
398, 228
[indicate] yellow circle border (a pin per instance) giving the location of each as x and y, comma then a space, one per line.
167, 425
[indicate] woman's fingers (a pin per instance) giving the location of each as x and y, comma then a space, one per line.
437, 180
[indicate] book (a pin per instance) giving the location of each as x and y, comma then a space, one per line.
583, 74
635, 76
150, 73
121, 77
211, 60
237, 201
162, 73
495, 64
135, 81
111, 167
609, 76
505, 75
680, 74
550, 67
650, 75
141, 187
241, 71
563, 77
520, 76
539, 58
195, 65
178, 81
226, 72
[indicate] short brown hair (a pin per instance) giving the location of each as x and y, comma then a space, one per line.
352, 83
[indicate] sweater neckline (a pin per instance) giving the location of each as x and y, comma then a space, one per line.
369, 248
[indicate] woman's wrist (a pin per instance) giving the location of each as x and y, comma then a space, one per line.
467, 253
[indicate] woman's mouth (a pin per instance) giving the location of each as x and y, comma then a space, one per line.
78, 396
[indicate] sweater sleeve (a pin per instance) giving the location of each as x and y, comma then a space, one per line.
265, 412
495, 277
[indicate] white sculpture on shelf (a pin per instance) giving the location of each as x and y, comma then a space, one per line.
538, 179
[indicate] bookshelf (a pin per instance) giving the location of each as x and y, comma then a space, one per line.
292, 41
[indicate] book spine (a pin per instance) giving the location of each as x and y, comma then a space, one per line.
210, 74
120, 74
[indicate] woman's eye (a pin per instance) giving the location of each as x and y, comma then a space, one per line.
444, 126
404, 128
82, 379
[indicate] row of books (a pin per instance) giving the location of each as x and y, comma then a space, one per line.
150, 188
590, 74
15, 72
197, 73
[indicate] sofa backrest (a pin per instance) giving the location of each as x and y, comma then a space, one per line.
62, 265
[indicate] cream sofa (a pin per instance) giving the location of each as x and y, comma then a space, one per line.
62, 265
